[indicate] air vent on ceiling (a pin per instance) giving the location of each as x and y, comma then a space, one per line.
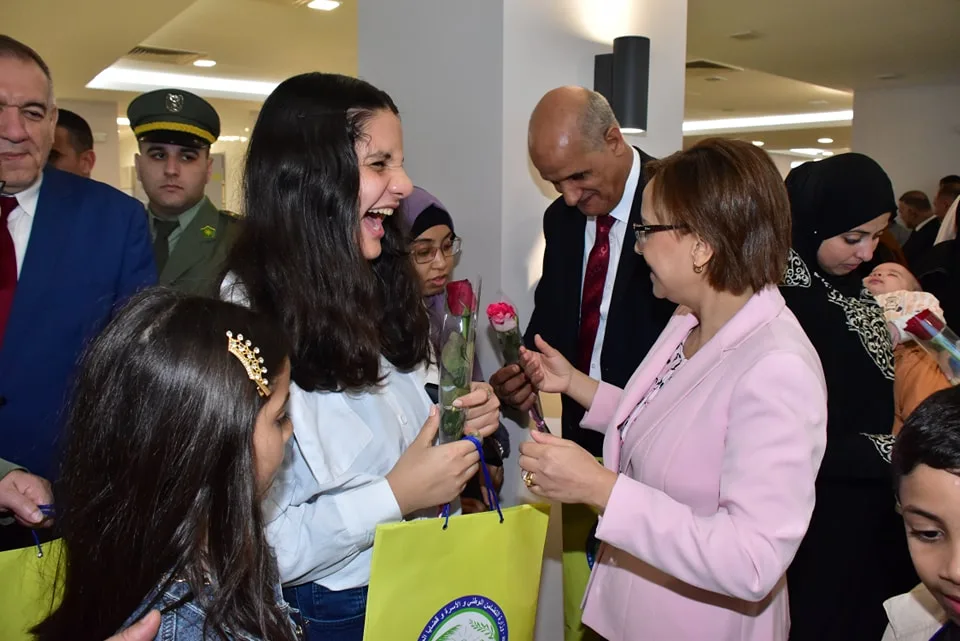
161, 55
710, 65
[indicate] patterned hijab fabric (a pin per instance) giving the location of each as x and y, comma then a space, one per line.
828, 198
843, 320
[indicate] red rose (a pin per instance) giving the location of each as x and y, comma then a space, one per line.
460, 298
925, 325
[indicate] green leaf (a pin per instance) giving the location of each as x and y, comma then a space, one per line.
510, 346
452, 422
484, 628
446, 636
451, 356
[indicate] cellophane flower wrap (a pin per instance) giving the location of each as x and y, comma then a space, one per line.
458, 341
503, 318
933, 334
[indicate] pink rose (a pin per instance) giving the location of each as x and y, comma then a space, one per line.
501, 312
460, 298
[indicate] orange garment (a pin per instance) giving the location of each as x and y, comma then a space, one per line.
916, 376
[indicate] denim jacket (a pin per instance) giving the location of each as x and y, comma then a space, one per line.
185, 622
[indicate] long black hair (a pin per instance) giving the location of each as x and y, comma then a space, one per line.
298, 259
158, 481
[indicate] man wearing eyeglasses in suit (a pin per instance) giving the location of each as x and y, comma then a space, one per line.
594, 302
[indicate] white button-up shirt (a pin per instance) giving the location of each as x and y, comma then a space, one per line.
618, 231
20, 222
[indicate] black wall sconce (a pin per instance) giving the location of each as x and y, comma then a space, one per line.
623, 78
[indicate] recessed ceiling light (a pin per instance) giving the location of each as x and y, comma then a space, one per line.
631, 130
757, 143
722, 125
204, 63
123, 122
131, 79
324, 5
824, 141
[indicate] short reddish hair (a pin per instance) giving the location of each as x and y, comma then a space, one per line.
729, 193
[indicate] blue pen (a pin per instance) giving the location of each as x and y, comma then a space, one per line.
47, 510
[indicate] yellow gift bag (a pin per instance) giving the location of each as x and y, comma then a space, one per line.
476, 580
26, 589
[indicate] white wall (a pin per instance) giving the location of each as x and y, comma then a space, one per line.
549, 43
102, 118
466, 76
782, 161
914, 133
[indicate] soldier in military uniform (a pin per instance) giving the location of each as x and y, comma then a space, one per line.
191, 238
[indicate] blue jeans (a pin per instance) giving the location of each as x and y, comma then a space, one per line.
329, 615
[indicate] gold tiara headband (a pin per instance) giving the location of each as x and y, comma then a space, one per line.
252, 361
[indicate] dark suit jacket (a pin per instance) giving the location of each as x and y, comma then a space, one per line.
89, 250
939, 274
920, 242
634, 321
196, 260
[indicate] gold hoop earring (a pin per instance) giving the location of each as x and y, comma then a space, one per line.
698, 269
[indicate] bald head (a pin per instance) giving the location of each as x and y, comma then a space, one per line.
571, 115
575, 143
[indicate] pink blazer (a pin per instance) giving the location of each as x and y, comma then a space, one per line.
716, 483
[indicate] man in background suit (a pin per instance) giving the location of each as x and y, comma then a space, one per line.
918, 216
73, 144
191, 237
71, 251
594, 302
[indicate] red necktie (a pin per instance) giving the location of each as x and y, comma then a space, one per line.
8, 262
593, 280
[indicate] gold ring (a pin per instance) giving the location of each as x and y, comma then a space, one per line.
528, 478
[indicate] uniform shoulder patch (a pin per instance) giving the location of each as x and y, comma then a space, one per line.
231, 214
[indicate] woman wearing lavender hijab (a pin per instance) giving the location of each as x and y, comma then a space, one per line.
434, 248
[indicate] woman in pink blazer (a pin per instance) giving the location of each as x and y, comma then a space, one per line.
712, 449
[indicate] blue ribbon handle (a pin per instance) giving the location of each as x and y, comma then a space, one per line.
487, 481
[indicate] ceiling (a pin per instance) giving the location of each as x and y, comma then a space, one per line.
738, 93
843, 44
784, 140
266, 40
789, 57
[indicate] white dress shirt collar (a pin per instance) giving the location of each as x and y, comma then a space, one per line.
924, 223
622, 211
28, 198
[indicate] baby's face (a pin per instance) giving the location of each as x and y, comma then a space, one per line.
890, 277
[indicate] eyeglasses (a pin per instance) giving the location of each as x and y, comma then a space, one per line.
425, 252
642, 231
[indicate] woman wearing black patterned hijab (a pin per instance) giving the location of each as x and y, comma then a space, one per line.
854, 555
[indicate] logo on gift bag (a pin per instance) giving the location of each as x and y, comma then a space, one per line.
469, 618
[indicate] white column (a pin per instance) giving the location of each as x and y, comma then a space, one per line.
913, 132
466, 76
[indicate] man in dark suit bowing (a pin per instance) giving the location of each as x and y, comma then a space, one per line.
594, 301
71, 250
